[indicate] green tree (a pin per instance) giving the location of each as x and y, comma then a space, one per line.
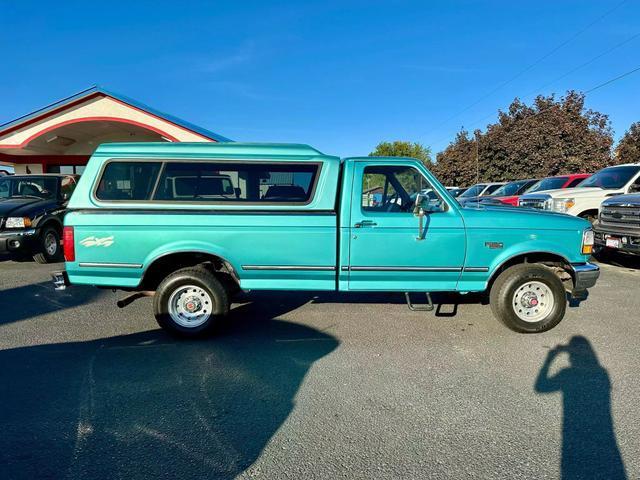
628, 148
399, 148
456, 165
550, 137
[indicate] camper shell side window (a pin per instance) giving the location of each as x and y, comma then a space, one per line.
209, 182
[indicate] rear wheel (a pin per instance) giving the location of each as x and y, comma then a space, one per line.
190, 302
49, 247
528, 298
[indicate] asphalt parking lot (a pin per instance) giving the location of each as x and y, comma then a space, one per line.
315, 386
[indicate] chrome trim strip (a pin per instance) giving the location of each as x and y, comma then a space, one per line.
17, 233
585, 267
405, 269
476, 269
289, 267
110, 265
585, 276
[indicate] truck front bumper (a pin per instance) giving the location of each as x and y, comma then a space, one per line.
622, 239
17, 240
585, 275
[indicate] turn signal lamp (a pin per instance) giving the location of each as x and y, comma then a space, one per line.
68, 244
587, 242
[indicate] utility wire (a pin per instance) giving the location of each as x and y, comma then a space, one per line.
585, 64
592, 89
534, 64
573, 70
615, 79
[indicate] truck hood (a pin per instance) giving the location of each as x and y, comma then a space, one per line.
624, 200
22, 207
578, 192
509, 217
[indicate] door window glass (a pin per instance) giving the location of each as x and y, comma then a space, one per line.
67, 186
31, 186
394, 188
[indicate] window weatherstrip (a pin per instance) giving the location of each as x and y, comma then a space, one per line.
319, 164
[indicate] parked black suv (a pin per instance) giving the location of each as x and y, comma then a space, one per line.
618, 224
32, 208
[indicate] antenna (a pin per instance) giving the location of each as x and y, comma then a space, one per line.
477, 164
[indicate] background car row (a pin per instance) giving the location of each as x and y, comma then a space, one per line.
609, 199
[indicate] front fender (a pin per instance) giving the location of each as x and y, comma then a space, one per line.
534, 247
40, 220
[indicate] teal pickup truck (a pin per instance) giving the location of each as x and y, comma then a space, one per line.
192, 224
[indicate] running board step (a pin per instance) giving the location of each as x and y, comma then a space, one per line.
419, 308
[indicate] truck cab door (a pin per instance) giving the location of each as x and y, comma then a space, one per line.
387, 250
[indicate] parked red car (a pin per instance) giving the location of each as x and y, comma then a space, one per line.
509, 193
561, 181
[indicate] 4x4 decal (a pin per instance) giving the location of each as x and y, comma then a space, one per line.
97, 242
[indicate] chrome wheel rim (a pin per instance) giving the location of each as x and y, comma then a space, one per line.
50, 243
190, 306
533, 301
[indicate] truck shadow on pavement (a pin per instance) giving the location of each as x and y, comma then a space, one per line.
146, 405
589, 446
445, 303
27, 301
622, 260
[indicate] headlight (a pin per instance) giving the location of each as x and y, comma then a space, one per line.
587, 241
562, 204
18, 222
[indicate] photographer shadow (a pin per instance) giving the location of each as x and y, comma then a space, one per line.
589, 446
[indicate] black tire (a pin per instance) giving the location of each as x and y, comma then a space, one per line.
176, 282
590, 216
42, 254
513, 278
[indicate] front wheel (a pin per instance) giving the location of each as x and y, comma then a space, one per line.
190, 302
49, 248
528, 298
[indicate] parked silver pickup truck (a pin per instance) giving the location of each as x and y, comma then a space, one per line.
618, 225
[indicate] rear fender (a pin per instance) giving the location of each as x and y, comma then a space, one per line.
191, 247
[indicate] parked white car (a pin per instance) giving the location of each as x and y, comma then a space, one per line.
585, 199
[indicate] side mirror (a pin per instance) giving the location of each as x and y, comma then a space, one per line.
634, 188
417, 207
419, 212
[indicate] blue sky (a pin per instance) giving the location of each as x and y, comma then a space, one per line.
339, 75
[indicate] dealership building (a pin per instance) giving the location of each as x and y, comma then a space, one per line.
60, 137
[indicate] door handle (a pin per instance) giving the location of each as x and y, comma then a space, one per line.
365, 223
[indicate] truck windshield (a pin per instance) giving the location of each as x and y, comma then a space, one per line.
611, 177
474, 191
551, 183
17, 187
